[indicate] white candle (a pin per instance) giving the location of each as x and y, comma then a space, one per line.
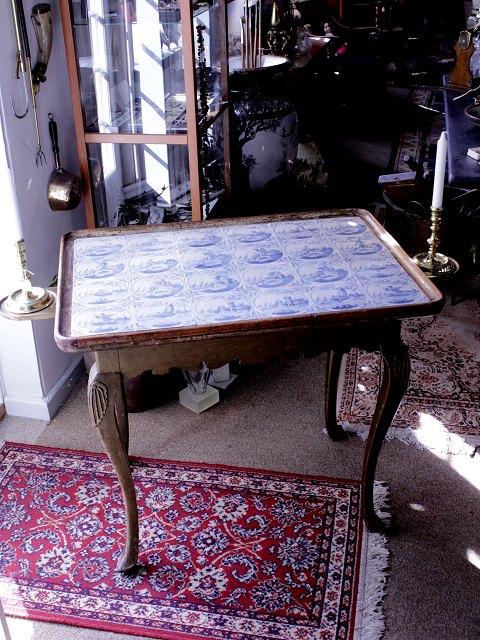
439, 179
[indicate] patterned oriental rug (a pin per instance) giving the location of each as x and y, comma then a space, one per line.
225, 552
441, 408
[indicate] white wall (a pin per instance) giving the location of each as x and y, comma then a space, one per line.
36, 375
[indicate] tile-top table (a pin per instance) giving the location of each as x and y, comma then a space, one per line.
247, 289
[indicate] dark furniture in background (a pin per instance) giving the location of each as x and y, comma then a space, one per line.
462, 133
408, 211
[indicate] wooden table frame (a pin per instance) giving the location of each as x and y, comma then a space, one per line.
124, 355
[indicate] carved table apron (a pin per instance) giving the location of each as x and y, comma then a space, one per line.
245, 289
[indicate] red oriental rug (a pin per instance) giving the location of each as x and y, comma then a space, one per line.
441, 408
230, 553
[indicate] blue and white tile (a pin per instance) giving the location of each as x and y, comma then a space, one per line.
372, 269
95, 293
285, 302
396, 292
323, 272
150, 243
102, 320
298, 230
347, 227
99, 269
274, 276
362, 246
88, 248
213, 282
174, 312
199, 239
249, 235
338, 298
309, 250
227, 308
264, 253
205, 260
165, 286
155, 263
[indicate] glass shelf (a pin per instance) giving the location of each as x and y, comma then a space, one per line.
143, 70
132, 72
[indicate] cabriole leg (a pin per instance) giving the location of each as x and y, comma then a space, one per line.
396, 372
106, 403
334, 361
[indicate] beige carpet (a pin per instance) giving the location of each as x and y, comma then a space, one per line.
272, 418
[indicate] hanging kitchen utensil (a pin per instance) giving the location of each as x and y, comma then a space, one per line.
24, 66
21, 67
64, 189
42, 23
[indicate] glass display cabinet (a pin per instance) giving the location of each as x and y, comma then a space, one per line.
149, 84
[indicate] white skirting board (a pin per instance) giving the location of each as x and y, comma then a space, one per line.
45, 408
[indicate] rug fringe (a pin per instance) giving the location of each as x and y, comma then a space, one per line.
370, 619
449, 444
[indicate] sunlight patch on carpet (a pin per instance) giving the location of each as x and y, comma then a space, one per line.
225, 552
441, 408
468, 467
474, 558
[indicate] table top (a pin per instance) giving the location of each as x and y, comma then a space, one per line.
242, 274
462, 134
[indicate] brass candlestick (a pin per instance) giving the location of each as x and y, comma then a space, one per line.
432, 262
28, 299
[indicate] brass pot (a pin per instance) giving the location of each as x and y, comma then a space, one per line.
64, 189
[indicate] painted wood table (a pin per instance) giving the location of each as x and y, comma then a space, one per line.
246, 289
